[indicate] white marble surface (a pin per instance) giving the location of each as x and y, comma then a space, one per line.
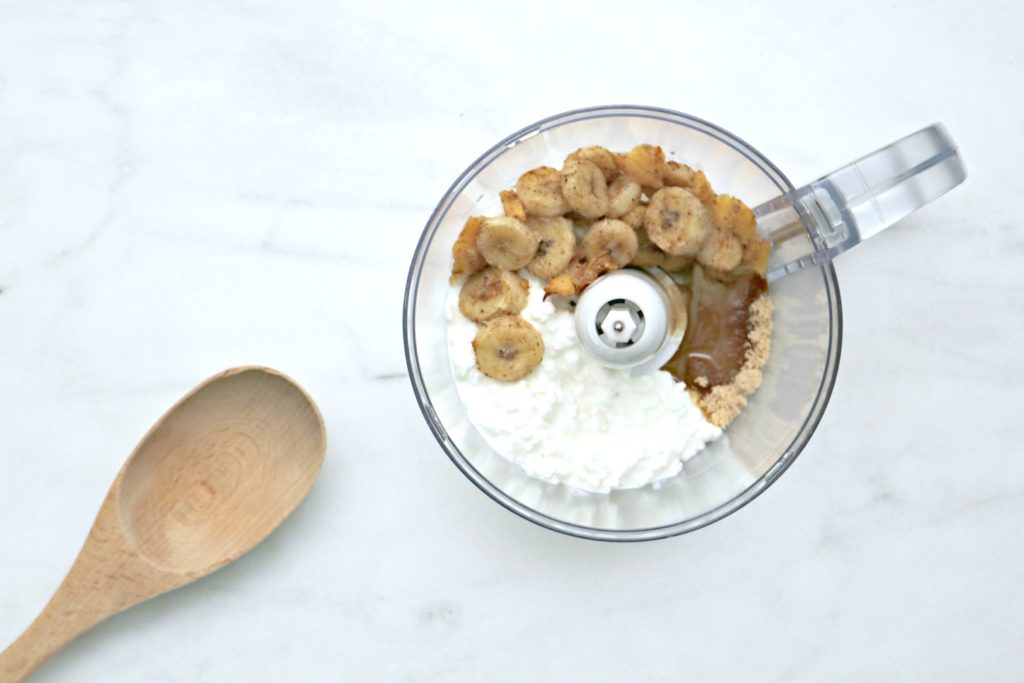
190, 186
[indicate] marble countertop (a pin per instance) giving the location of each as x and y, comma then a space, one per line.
186, 187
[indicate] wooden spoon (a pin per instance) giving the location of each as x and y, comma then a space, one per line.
219, 472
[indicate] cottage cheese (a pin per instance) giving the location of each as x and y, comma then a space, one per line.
574, 421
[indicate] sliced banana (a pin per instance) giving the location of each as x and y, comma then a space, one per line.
620, 161
611, 236
755, 255
582, 271
677, 174
560, 285
600, 157
557, 245
646, 164
540, 191
586, 270
491, 293
676, 264
508, 348
648, 255
677, 222
466, 257
721, 251
580, 224
511, 205
623, 196
634, 218
648, 192
701, 188
507, 243
732, 215
584, 187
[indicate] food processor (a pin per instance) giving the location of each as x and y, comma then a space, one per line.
630, 319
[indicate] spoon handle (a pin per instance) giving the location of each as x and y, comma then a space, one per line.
106, 578
58, 624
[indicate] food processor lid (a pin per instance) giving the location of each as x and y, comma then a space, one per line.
631, 318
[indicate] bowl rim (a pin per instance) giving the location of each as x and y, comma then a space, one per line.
711, 516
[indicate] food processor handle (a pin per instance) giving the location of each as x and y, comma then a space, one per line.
865, 197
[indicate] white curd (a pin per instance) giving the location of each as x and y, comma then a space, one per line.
574, 421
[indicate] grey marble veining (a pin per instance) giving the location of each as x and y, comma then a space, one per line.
186, 187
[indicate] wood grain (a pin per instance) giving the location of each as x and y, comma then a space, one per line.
217, 474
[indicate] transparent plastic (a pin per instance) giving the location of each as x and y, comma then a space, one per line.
853, 203
863, 198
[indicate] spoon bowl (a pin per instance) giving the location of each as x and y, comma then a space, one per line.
214, 477
227, 465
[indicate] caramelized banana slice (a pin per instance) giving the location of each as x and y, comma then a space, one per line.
721, 251
600, 157
646, 164
620, 162
701, 188
491, 293
507, 243
584, 187
581, 272
540, 191
508, 348
623, 196
634, 218
557, 245
677, 222
677, 174
580, 224
511, 205
732, 215
560, 285
611, 236
466, 258
586, 270
648, 255
755, 255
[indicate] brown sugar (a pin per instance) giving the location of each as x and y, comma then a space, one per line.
724, 402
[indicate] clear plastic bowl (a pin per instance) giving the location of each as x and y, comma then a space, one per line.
781, 416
